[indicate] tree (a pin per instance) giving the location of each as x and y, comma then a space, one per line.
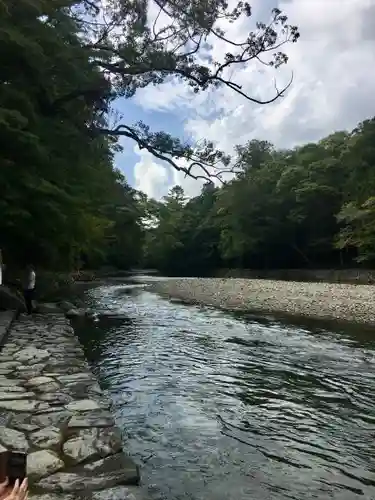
130, 47
311, 206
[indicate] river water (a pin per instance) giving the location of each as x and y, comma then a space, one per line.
223, 407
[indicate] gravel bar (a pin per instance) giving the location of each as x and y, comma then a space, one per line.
328, 301
53, 409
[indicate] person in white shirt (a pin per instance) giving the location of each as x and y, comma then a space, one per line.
29, 289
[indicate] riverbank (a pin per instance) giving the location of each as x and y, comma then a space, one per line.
328, 301
52, 408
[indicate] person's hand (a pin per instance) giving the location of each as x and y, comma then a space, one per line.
18, 492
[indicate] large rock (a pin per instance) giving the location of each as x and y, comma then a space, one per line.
10, 301
43, 463
49, 437
13, 440
66, 306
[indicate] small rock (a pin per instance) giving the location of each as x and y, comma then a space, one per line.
101, 419
20, 405
13, 440
82, 405
109, 441
7, 382
54, 418
76, 377
82, 447
48, 437
36, 381
43, 463
12, 388
7, 395
31, 355
9, 365
49, 497
66, 306
119, 493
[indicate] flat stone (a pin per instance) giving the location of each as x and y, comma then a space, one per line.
109, 472
109, 441
12, 388
6, 371
37, 367
54, 398
49, 437
37, 381
51, 419
7, 395
50, 497
7, 382
96, 420
82, 447
120, 462
43, 463
13, 440
31, 355
24, 426
76, 377
82, 405
119, 493
9, 365
20, 405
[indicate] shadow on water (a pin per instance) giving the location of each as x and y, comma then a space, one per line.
221, 406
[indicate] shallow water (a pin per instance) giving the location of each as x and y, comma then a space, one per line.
218, 406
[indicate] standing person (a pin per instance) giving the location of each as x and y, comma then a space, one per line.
29, 289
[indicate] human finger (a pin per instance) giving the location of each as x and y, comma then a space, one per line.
23, 489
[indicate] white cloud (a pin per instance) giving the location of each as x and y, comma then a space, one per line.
334, 81
150, 177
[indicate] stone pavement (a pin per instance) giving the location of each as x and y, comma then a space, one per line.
52, 407
6, 318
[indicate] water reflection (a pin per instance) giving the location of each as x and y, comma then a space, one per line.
228, 407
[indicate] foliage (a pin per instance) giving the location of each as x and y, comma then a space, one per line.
60, 193
312, 206
62, 66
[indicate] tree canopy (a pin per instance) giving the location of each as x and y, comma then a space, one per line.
63, 65
311, 206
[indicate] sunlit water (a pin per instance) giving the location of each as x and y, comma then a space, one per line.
221, 407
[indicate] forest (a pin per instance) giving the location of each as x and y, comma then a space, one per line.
64, 65
312, 206
64, 205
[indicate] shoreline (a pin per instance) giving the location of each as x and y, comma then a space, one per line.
330, 302
53, 409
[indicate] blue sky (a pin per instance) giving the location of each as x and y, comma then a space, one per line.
332, 90
157, 120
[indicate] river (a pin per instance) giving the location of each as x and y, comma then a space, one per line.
223, 407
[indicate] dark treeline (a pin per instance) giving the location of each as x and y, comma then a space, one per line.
63, 66
308, 207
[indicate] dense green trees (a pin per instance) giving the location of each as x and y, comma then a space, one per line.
312, 206
63, 64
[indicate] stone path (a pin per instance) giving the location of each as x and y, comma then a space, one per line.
6, 318
52, 407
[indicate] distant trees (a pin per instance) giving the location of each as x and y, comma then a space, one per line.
312, 206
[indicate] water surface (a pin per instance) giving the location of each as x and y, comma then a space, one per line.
221, 407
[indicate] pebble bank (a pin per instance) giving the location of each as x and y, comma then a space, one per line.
328, 301
52, 408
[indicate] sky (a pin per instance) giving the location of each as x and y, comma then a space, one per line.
333, 89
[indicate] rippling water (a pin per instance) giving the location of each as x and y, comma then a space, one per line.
221, 407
